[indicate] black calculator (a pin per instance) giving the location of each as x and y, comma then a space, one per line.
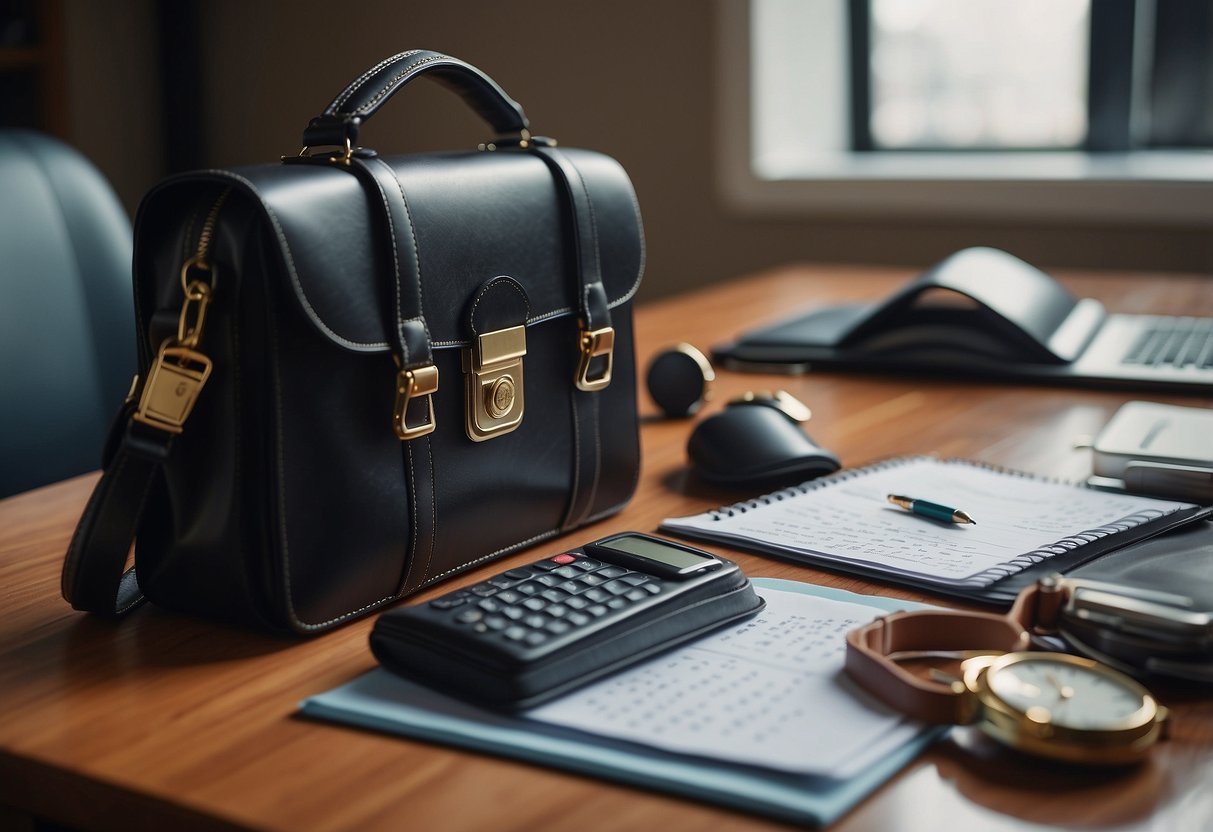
529, 634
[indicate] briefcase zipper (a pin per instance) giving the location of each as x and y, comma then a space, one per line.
180, 370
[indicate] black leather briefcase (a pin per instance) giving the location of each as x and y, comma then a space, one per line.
360, 374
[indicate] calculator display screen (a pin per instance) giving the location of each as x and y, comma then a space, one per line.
653, 550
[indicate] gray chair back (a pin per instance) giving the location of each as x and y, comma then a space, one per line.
67, 345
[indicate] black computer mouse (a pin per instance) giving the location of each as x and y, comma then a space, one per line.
754, 444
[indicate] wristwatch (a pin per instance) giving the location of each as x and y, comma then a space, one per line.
1048, 704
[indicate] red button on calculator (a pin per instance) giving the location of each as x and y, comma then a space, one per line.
563, 559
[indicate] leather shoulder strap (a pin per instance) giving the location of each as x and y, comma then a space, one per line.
95, 577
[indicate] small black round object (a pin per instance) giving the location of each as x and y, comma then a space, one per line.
680, 380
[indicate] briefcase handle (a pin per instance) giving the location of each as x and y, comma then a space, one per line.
340, 121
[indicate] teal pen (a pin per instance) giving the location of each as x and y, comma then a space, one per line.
935, 511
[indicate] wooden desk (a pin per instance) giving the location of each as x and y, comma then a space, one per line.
163, 722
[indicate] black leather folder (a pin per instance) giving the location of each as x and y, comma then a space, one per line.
983, 313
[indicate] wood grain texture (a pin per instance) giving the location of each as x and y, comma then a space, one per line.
161, 721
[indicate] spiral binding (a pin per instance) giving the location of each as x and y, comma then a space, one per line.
1060, 547
987, 576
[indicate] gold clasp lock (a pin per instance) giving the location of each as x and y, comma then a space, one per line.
172, 387
595, 344
410, 385
492, 369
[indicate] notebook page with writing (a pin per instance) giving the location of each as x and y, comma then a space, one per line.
846, 520
769, 692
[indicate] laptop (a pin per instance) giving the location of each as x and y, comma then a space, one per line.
983, 313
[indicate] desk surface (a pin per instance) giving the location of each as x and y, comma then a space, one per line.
166, 722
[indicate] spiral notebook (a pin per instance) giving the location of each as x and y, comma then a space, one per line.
1025, 526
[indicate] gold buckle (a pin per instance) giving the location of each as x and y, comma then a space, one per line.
492, 369
339, 156
600, 342
412, 384
172, 388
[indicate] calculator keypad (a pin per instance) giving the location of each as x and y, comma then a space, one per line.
533, 604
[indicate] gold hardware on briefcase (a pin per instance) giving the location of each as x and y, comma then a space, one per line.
492, 369
410, 385
595, 344
172, 388
180, 371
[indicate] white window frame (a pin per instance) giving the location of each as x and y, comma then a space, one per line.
810, 171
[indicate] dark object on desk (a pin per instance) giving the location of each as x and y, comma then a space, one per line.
66, 356
680, 380
1143, 635
757, 443
355, 347
533, 633
986, 314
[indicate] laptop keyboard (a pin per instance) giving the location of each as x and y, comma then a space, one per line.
1177, 342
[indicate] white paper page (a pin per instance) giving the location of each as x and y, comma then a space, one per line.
852, 520
769, 692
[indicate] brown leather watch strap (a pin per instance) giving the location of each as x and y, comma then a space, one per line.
874, 650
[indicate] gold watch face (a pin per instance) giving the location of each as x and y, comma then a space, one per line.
1064, 706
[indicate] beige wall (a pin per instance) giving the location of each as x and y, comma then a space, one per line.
633, 78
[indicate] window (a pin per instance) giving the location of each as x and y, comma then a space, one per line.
956, 74
1037, 109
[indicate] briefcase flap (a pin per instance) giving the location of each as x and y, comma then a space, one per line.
475, 215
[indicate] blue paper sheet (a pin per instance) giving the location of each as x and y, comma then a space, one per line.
383, 702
